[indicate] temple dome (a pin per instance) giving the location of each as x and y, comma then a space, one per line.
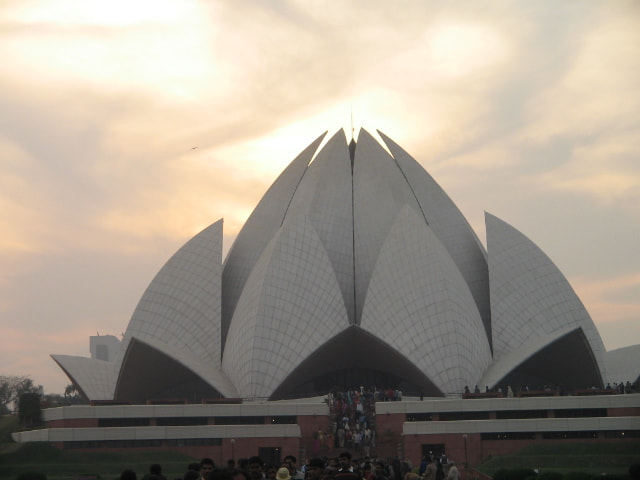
354, 268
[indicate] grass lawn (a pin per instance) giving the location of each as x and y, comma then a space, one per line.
596, 459
8, 424
70, 465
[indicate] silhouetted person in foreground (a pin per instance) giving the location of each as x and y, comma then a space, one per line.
128, 475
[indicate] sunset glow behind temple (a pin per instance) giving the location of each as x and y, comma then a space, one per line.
530, 112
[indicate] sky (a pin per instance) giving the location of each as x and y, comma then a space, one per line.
527, 110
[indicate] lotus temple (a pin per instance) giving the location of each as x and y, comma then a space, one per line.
354, 269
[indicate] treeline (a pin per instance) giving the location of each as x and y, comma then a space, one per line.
15, 387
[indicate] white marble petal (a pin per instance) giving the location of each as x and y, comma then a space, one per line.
380, 191
96, 378
623, 364
419, 303
260, 227
181, 306
324, 197
510, 361
450, 226
290, 306
530, 297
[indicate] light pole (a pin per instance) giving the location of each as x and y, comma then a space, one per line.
233, 442
466, 456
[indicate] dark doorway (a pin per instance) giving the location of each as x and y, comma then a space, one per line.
432, 450
270, 455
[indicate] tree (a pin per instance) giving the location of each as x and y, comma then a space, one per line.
74, 396
51, 400
12, 387
71, 391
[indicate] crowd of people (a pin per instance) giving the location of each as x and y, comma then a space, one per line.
621, 388
343, 467
353, 418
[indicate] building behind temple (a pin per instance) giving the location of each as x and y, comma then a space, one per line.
104, 347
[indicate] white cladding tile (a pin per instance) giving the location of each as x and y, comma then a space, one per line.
448, 224
96, 378
508, 362
291, 305
259, 229
325, 198
529, 296
419, 304
88, 434
214, 376
623, 363
129, 411
168, 410
117, 433
181, 306
380, 191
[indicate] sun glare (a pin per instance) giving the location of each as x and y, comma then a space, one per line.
271, 153
458, 49
162, 47
117, 13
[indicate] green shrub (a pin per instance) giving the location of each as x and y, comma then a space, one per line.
634, 471
31, 476
578, 476
520, 473
33, 452
514, 474
500, 474
8, 424
550, 476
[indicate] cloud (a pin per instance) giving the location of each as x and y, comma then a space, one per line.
613, 302
120, 46
22, 354
527, 110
